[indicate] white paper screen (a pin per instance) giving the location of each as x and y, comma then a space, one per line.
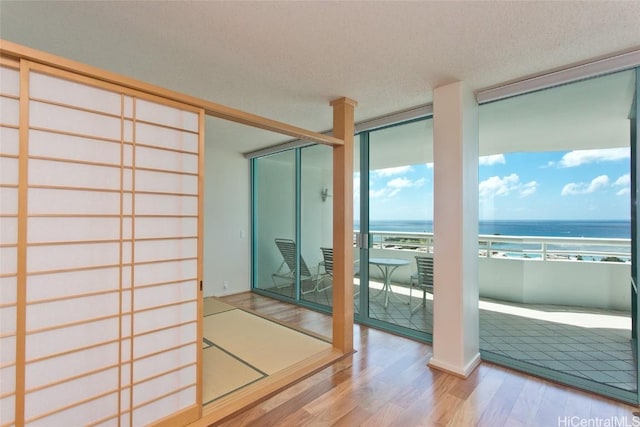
111, 287
9, 177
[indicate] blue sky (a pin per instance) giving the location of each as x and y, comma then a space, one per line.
580, 184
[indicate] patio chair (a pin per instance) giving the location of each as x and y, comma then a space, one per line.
327, 264
422, 280
286, 273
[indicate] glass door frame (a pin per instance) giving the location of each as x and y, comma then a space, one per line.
632, 397
634, 119
297, 217
362, 315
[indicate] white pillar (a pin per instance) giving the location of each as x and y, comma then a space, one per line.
455, 154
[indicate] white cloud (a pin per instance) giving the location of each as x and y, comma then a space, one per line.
394, 186
625, 182
404, 183
574, 188
598, 182
583, 157
497, 186
399, 183
528, 189
374, 194
393, 171
491, 160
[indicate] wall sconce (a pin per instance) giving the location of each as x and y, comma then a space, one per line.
324, 193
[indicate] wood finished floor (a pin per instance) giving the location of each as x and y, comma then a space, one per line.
387, 383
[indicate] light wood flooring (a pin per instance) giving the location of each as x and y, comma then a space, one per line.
387, 383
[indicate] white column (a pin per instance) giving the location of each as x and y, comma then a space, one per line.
455, 152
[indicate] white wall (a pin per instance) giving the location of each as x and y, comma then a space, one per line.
603, 285
317, 216
582, 283
227, 231
276, 207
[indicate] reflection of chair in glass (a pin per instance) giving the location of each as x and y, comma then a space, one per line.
327, 263
422, 280
286, 273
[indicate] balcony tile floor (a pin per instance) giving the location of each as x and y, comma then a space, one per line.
587, 343
603, 354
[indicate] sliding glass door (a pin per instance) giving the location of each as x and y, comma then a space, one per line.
292, 225
274, 230
316, 223
396, 216
557, 197
634, 132
558, 255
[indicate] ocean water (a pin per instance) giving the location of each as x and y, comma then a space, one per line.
612, 229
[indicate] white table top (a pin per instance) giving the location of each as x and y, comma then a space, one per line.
397, 262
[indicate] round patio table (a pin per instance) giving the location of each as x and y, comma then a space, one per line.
387, 266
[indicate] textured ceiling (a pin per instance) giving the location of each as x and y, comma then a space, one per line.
287, 60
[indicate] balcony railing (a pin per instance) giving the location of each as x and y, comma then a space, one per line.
534, 248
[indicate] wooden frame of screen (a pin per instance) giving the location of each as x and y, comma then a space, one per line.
343, 168
28, 67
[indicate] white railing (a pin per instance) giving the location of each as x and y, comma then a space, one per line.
585, 272
519, 247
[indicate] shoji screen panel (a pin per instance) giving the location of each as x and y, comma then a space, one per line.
76, 258
99, 292
9, 177
165, 260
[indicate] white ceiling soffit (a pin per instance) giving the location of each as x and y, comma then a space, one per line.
589, 114
286, 60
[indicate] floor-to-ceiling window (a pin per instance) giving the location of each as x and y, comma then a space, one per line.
556, 191
293, 225
292, 220
274, 230
316, 222
555, 233
397, 216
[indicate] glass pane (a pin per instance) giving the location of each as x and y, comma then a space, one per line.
316, 198
634, 117
357, 141
274, 218
401, 224
356, 184
555, 256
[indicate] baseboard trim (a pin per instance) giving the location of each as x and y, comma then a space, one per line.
462, 372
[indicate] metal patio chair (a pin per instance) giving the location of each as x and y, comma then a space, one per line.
422, 280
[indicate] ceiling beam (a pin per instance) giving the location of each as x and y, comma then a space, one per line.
210, 108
